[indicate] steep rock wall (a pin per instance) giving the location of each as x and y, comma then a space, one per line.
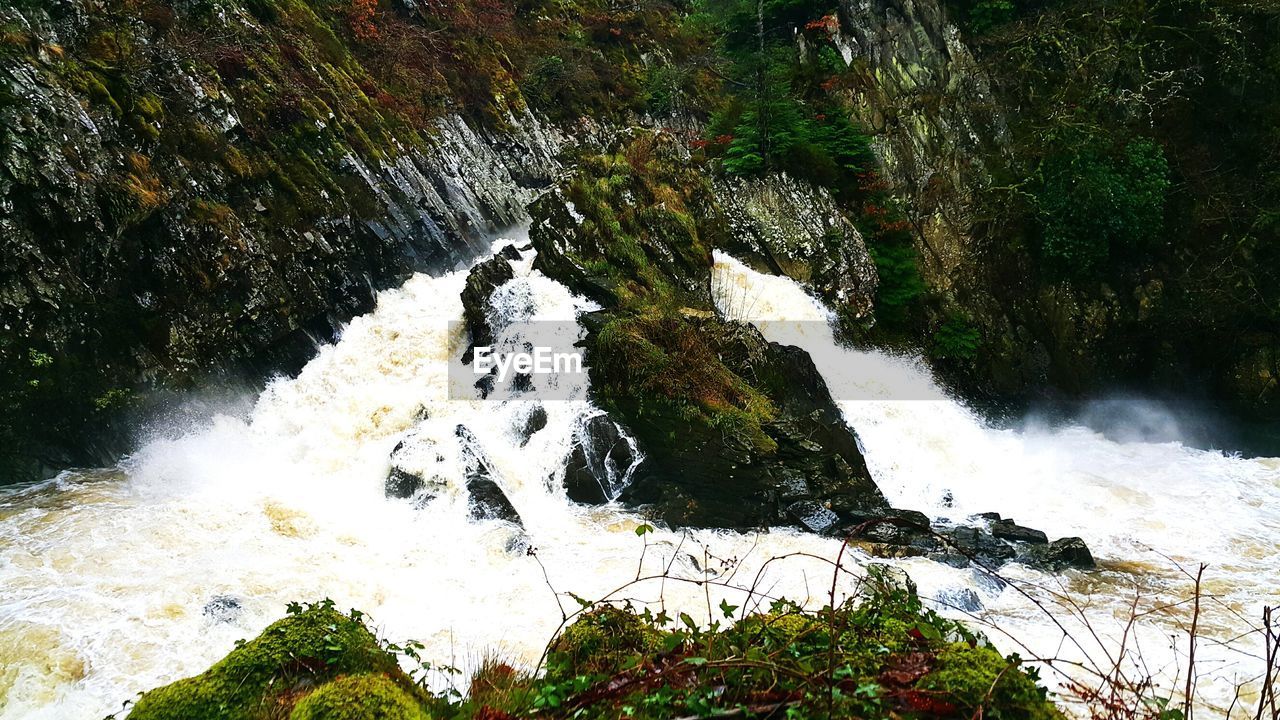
161, 222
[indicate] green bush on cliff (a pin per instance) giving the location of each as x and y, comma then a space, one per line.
956, 339
901, 287
781, 112
1098, 207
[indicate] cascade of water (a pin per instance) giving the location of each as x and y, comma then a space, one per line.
114, 581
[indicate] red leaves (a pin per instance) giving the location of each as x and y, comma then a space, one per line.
828, 25
901, 674
920, 701
360, 16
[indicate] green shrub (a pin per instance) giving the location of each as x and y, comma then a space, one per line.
988, 14
1097, 207
956, 339
901, 286
600, 641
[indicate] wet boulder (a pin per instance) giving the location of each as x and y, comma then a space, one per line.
483, 279
601, 462
402, 484
741, 468
487, 499
963, 599
978, 544
813, 516
1007, 529
530, 424
1061, 554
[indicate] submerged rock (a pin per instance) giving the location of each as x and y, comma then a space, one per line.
964, 599
223, 608
419, 469
532, 423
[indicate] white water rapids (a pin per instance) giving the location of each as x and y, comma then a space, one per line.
105, 574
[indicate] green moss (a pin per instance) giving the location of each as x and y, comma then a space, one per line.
255, 680
978, 677
600, 641
359, 697
660, 357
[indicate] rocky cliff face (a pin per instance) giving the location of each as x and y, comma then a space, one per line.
919, 89
164, 218
954, 119
938, 126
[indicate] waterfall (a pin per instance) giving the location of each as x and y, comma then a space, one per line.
113, 581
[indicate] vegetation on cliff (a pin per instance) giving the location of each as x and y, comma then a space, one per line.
882, 655
1136, 189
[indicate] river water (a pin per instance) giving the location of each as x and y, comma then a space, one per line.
115, 580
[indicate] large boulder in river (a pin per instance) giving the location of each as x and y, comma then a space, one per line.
736, 431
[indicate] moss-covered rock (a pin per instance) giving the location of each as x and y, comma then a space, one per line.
975, 676
359, 697
736, 430
264, 677
880, 655
601, 641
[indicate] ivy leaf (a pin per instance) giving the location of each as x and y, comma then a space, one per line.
727, 609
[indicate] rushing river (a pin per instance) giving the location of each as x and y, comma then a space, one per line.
116, 580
